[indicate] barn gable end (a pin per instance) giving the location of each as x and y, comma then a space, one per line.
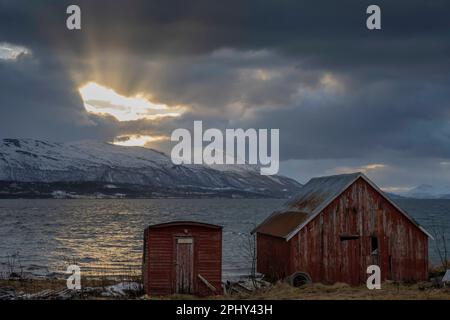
352, 226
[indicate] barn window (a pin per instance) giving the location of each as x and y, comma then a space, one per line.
345, 237
374, 244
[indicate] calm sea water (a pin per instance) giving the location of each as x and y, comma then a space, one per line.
105, 236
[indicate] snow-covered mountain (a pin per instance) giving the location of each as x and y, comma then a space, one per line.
426, 191
35, 168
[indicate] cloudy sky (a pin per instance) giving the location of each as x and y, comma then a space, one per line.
344, 98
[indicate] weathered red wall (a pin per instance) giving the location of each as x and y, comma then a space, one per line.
159, 265
273, 256
318, 249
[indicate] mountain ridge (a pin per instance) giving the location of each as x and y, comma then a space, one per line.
427, 191
40, 168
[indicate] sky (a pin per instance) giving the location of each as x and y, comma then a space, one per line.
344, 98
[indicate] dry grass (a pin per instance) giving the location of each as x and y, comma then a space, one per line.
280, 291
341, 291
338, 291
31, 286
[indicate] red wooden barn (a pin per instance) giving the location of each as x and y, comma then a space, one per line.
183, 257
335, 228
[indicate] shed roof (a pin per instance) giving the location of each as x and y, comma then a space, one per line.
315, 196
184, 223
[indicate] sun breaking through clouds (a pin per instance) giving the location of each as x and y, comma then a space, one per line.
135, 140
102, 100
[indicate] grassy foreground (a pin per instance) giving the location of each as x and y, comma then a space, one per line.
338, 291
341, 291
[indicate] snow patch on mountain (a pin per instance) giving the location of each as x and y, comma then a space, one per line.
38, 161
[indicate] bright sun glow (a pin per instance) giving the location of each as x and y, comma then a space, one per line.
366, 169
135, 140
102, 100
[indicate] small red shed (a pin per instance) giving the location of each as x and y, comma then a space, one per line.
335, 228
183, 257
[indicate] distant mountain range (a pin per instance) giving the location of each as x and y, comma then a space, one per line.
42, 169
426, 191
423, 191
32, 168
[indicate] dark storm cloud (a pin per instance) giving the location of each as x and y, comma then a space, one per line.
39, 100
405, 117
318, 30
310, 68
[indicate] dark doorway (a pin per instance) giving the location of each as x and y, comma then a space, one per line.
374, 249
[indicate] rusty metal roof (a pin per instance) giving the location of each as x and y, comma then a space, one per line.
312, 199
279, 225
319, 191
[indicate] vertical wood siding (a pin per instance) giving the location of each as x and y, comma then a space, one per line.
273, 256
160, 261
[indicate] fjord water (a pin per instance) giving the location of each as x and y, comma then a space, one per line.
105, 236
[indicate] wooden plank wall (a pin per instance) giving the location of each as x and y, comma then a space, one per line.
161, 258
